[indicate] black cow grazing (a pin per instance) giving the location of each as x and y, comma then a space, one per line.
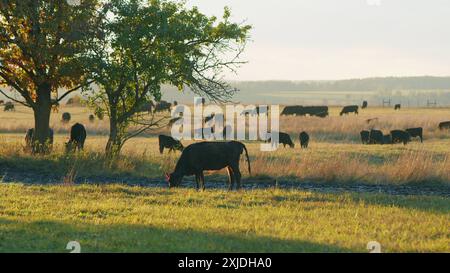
209, 156
399, 136
91, 118
364, 105
292, 110
163, 106
304, 140
387, 139
66, 117
349, 109
77, 138
375, 137
29, 136
298, 110
169, 143
365, 137
9, 107
397, 107
416, 132
284, 139
444, 125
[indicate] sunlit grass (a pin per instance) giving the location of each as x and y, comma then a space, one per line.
134, 219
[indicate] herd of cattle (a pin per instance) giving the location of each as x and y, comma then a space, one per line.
227, 154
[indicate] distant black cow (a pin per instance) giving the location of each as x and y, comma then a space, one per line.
169, 143
29, 138
365, 137
9, 107
66, 117
1, 102
163, 106
397, 107
292, 110
77, 138
387, 139
349, 109
399, 136
304, 140
364, 105
416, 132
375, 137
284, 139
91, 118
209, 156
444, 125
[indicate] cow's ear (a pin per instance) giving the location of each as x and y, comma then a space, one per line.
167, 177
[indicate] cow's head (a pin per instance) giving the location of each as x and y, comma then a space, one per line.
173, 180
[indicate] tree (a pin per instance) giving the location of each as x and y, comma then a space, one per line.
40, 42
145, 44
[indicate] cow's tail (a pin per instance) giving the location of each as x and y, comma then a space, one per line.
248, 159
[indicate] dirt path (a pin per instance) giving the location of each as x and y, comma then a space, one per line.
8, 176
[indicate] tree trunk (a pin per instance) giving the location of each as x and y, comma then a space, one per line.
42, 112
114, 144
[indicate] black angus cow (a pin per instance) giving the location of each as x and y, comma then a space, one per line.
163, 106
318, 111
364, 105
29, 136
399, 136
416, 132
444, 125
9, 107
349, 109
387, 139
209, 156
375, 137
169, 143
77, 138
304, 140
284, 139
66, 117
397, 107
365, 137
292, 110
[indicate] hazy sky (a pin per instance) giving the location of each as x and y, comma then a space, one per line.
337, 39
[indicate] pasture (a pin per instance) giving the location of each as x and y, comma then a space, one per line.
125, 206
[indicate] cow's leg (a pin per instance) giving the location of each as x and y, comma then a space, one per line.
230, 178
202, 180
237, 175
197, 180
161, 149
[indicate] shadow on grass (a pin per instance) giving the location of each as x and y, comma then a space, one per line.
50, 236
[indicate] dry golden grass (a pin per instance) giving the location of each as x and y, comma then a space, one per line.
335, 154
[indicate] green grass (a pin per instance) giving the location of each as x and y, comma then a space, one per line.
117, 218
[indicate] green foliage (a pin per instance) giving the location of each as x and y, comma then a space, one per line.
145, 45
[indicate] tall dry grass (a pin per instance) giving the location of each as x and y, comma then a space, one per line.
335, 154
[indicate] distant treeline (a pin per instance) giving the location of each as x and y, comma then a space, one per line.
368, 84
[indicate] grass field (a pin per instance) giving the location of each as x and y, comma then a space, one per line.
41, 208
117, 218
